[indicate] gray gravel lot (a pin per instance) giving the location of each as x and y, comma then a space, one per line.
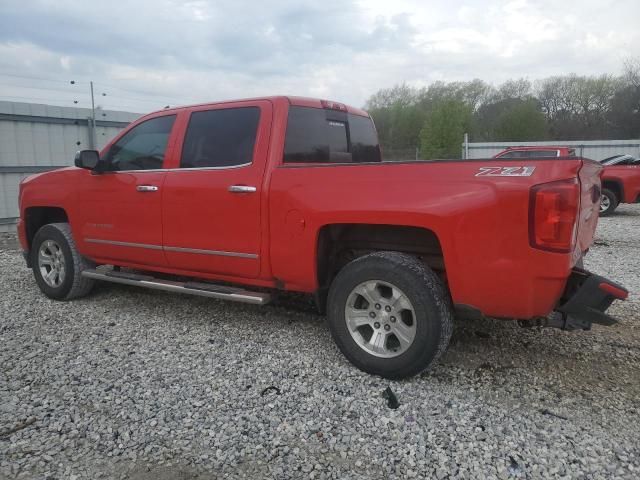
132, 383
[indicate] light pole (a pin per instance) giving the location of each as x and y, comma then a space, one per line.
92, 119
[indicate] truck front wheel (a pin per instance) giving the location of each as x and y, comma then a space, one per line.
57, 264
389, 314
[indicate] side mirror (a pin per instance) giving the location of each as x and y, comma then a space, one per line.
88, 159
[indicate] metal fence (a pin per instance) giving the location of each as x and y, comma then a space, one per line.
36, 138
594, 149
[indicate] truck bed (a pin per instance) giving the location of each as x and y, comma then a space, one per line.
476, 209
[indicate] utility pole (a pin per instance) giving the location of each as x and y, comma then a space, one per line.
466, 146
91, 121
92, 133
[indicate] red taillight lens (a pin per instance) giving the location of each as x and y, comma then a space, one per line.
553, 214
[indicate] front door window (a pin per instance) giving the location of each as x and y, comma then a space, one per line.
141, 148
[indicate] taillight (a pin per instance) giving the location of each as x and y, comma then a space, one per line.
553, 215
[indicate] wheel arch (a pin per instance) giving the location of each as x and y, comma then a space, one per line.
36, 217
339, 243
615, 186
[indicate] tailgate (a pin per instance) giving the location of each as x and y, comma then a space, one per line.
589, 177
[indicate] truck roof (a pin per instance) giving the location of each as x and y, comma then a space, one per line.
292, 100
537, 147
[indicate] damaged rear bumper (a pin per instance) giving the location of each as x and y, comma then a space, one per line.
585, 301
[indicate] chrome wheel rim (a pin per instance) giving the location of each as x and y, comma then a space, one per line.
51, 263
605, 203
380, 319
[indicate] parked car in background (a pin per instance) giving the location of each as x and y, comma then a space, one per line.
620, 176
286, 193
624, 159
620, 182
539, 151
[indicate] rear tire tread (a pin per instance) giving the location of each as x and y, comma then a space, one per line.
433, 293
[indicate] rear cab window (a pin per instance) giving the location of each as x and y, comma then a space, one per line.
316, 135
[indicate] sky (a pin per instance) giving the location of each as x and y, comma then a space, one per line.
145, 54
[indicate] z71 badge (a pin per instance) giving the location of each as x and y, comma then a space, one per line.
505, 171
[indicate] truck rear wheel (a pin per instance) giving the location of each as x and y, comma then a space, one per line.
608, 202
389, 314
57, 265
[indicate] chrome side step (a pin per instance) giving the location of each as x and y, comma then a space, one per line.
190, 288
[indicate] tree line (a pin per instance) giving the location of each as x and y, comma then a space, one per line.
431, 121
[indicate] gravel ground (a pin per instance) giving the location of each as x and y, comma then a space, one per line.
132, 383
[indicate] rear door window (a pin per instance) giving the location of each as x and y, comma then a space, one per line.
220, 138
320, 136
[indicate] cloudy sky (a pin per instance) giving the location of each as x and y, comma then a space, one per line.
145, 54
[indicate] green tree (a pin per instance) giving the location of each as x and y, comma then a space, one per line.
564, 107
521, 121
400, 112
398, 120
444, 128
399, 95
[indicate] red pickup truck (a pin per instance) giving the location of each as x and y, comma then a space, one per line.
620, 183
237, 200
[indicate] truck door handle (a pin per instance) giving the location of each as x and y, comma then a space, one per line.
242, 189
147, 188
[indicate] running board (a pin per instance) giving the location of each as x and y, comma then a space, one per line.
190, 288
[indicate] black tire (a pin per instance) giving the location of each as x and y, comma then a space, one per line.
612, 198
74, 285
427, 295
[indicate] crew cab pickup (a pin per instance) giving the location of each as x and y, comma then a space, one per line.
241, 199
620, 182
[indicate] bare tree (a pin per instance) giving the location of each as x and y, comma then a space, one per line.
632, 71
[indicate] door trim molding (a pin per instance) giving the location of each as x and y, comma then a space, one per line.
172, 249
123, 244
210, 252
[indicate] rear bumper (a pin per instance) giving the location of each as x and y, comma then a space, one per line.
586, 300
